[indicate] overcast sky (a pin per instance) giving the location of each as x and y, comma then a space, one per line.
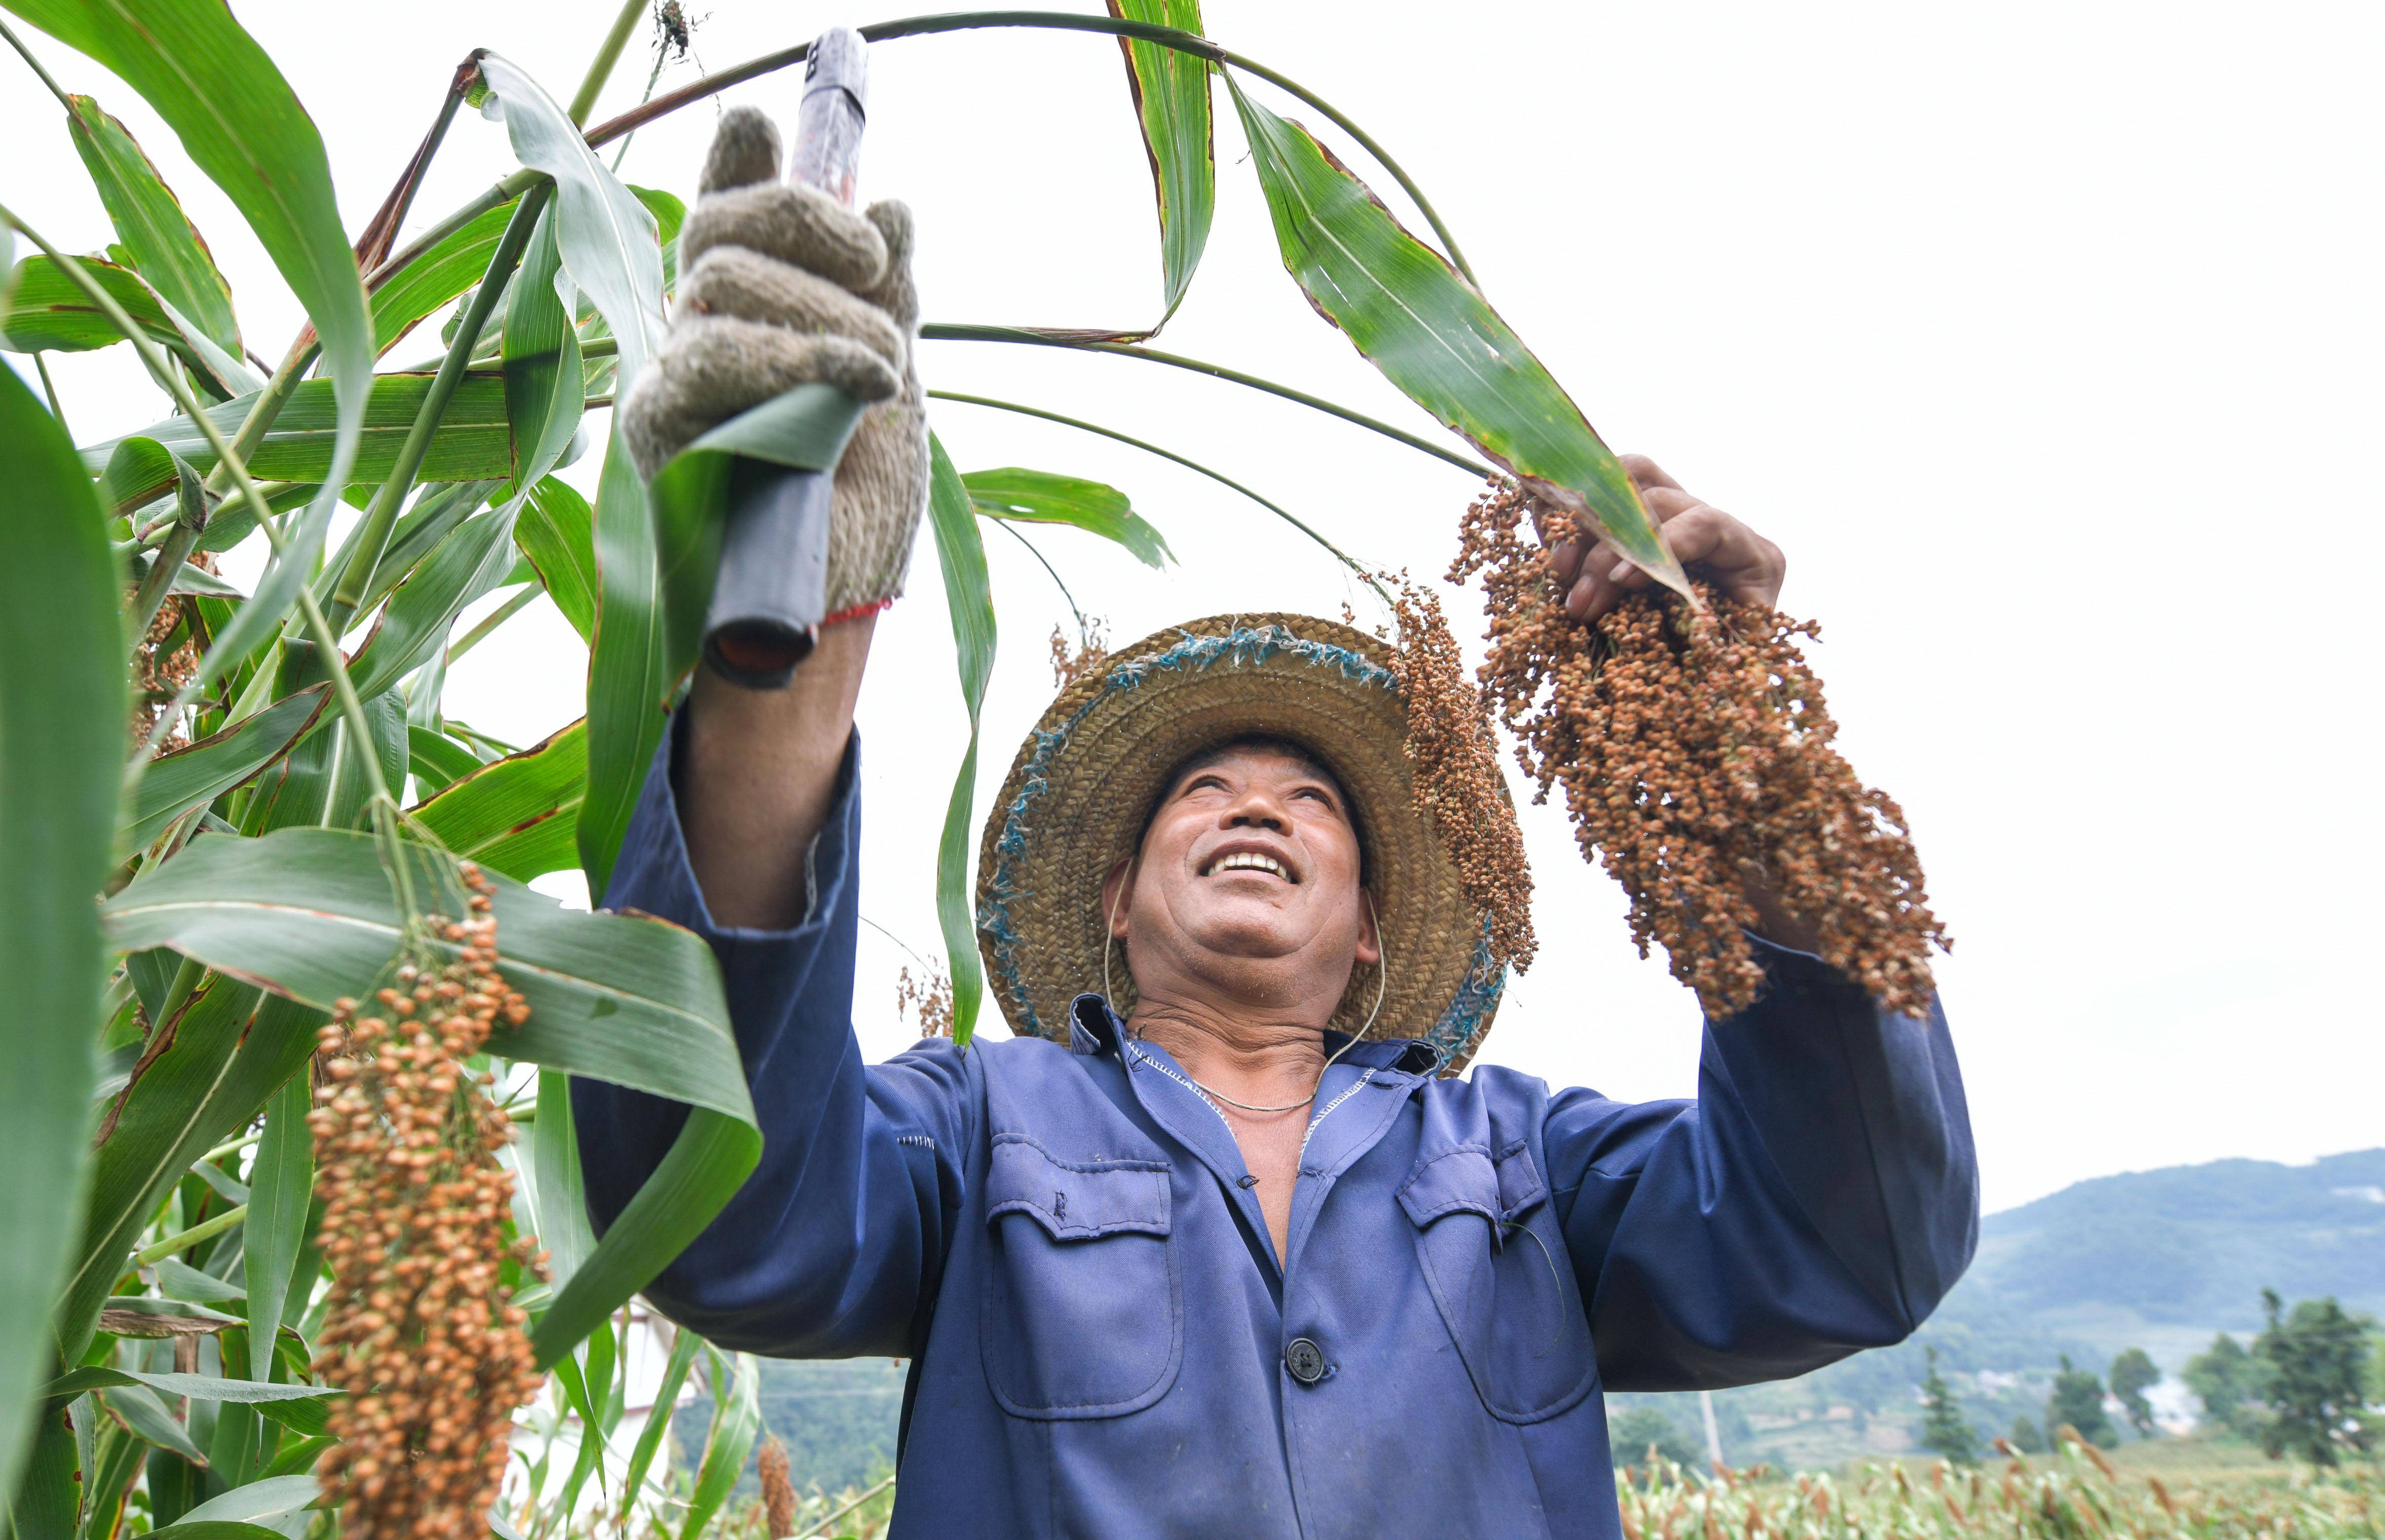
2044, 340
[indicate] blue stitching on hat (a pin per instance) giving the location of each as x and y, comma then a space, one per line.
1476, 996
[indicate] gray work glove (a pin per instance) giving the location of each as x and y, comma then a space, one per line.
781, 286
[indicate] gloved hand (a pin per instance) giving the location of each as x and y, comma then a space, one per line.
781, 286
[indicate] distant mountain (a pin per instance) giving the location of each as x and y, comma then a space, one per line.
2160, 1259
2194, 1245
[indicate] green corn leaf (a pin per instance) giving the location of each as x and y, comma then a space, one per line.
243, 1508
563, 1227
44, 1497
437, 759
804, 430
149, 220
556, 532
736, 1421
470, 563
1171, 101
703, 1170
472, 442
228, 1051
240, 121
517, 815
650, 1437
1403, 306
960, 553
608, 240
147, 1418
307, 1419
48, 312
402, 298
139, 471
590, 1384
627, 681
120, 1460
1040, 497
187, 1528
61, 736
282, 1185
177, 782
541, 359
203, 1387
306, 914
179, 1280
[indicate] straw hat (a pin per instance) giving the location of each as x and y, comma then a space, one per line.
1077, 793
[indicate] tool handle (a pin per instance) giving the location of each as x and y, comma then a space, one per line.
770, 593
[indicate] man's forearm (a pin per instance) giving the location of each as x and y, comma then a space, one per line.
760, 771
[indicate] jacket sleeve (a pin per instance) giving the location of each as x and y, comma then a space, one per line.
1820, 1196
836, 1245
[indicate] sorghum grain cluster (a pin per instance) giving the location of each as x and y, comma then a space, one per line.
927, 999
421, 1333
1069, 664
1453, 762
1694, 751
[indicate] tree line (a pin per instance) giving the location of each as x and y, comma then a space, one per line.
2308, 1385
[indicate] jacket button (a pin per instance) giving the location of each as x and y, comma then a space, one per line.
1305, 1360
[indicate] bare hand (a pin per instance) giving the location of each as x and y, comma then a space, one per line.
1735, 558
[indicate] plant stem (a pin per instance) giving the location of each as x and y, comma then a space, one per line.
58, 412
822, 1528
372, 536
1277, 509
219, 1151
600, 69
493, 619
1005, 524
27, 55
957, 22
206, 1229
946, 332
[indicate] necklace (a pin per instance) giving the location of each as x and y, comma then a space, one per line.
1216, 1095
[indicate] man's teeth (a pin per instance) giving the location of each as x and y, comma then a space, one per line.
1252, 861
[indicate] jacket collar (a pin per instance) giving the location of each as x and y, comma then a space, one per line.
1094, 1028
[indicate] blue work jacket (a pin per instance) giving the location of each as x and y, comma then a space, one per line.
1065, 1243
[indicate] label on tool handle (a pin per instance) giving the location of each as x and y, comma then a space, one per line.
769, 595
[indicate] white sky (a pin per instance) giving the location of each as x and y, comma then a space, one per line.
2044, 338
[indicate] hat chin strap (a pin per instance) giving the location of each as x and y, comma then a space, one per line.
1382, 984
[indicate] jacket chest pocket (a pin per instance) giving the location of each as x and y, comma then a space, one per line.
1082, 1313
1496, 1264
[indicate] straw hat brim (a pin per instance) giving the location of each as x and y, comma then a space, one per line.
1087, 776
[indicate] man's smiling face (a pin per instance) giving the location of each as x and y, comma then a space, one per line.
1252, 854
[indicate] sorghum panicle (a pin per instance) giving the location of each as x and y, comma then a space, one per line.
1694, 752
1454, 765
927, 999
1071, 663
421, 1332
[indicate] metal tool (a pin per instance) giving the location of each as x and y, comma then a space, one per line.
769, 595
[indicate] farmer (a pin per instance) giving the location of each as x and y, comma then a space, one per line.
1216, 1250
